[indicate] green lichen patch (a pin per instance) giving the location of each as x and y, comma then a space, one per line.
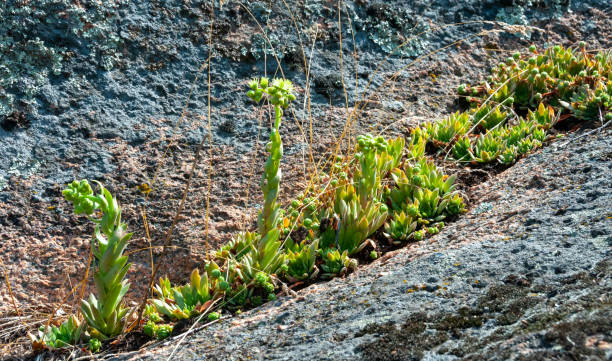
37, 36
517, 14
391, 27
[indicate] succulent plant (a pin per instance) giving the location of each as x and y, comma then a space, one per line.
213, 316
150, 312
444, 131
104, 313
69, 333
262, 253
416, 147
430, 205
356, 221
376, 158
571, 77
513, 135
78, 194
279, 94
252, 283
528, 144
238, 246
455, 205
357, 207
336, 263
94, 345
242, 277
305, 212
400, 227
415, 184
487, 147
263, 280
543, 116
431, 177
163, 331
188, 300
538, 135
238, 296
266, 255
506, 143
301, 262
250, 256
509, 155
589, 101
150, 328
489, 117
461, 149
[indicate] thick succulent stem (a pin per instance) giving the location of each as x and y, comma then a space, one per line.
279, 94
104, 312
266, 255
270, 183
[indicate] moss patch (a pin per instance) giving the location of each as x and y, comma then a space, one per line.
418, 334
574, 338
506, 304
516, 309
408, 342
453, 322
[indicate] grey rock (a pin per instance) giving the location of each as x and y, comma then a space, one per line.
135, 61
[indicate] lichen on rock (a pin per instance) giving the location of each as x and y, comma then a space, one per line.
37, 36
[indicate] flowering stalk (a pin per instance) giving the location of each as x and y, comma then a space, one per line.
265, 255
279, 94
104, 312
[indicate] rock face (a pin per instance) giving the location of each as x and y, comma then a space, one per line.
108, 91
525, 275
117, 91
78, 78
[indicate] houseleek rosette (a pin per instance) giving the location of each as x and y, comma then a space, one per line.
188, 300
104, 312
69, 333
301, 261
358, 201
